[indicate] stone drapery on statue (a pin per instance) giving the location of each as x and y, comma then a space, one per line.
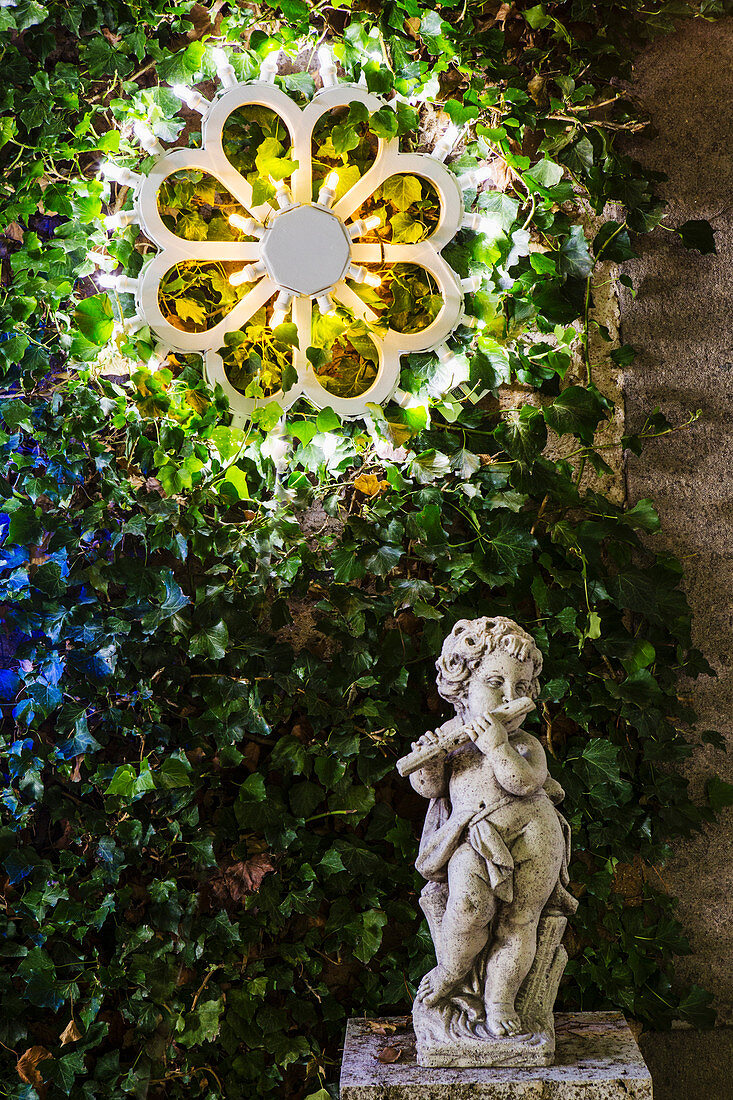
495, 852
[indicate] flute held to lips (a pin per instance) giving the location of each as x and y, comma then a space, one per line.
453, 739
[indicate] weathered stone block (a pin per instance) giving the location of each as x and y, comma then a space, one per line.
596, 1058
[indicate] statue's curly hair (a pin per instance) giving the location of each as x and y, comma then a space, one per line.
466, 645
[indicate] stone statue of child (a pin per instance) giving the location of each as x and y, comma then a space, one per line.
494, 848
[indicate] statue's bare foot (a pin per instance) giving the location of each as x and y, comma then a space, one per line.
502, 1019
435, 986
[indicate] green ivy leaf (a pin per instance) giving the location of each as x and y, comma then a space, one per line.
522, 434
720, 793
577, 411
212, 641
202, 1025
698, 234
94, 319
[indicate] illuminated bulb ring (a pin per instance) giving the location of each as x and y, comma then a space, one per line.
210, 158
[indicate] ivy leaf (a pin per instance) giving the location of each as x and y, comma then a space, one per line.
511, 544
287, 333
575, 259
346, 565
545, 174
383, 123
383, 560
237, 480
612, 242
344, 137
408, 591
698, 234
720, 793
522, 434
270, 163
643, 516
370, 935
188, 310
173, 601
402, 191
696, 1007
94, 319
577, 411
602, 758
202, 1025
212, 641
175, 772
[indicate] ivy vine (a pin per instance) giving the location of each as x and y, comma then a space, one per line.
217, 642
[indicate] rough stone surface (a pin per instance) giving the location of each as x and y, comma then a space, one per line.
597, 1059
680, 324
690, 1065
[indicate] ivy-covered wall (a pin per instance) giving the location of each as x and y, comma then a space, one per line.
206, 851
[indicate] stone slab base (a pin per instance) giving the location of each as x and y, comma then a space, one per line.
596, 1059
435, 1047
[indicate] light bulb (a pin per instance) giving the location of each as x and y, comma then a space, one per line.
328, 189
326, 67
360, 227
248, 274
445, 143
159, 358
147, 139
472, 322
471, 285
224, 69
325, 303
133, 324
472, 221
119, 283
105, 262
247, 225
191, 98
282, 304
444, 353
475, 177
409, 400
268, 68
121, 219
118, 174
283, 196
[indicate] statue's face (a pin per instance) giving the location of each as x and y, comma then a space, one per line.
497, 680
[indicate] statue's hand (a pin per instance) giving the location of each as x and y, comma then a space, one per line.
427, 739
487, 734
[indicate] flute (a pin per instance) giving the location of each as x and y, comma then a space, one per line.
453, 739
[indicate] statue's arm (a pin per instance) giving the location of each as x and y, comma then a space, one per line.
430, 781
516, 772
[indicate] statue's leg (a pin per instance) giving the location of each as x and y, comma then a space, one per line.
465, 926
515, 937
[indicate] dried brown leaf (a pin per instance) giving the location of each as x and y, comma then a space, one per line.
238, 880
28, 1070
70, 1034
389, 1054
380, 1027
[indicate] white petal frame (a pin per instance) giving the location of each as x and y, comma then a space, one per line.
211, 159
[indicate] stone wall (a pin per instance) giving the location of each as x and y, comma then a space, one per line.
681, 324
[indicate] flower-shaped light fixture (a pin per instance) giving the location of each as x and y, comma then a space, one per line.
296, 249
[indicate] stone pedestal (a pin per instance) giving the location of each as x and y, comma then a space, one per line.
596, 1059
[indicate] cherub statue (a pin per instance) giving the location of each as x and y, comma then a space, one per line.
494, 850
